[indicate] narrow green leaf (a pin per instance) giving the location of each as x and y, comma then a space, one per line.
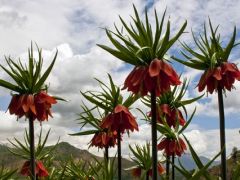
230, 45
188, 122
84, 133
192, 65
186, 102
9, 86
175, 38
45, 75
194, 155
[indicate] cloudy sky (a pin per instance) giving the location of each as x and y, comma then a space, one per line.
75, 27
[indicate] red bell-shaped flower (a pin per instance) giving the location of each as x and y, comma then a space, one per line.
43, 103
136, 172
40, 169
223, 77
171, 115
21, 105
158, 77
172, 146
36, 106
161, 170
104, 139
120, 119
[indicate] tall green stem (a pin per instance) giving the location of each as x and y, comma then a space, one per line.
119, 155
32, 148
168, 167
173, 169
222, 134
106, 154
154, 136
147, 176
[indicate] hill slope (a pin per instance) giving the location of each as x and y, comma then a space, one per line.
63, 152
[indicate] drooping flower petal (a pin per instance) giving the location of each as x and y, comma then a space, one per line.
136, 172
222, 77
172, 146
40, 170
172, 116
154, 68
104, 139
159, 76
36, 106
160, 169
121, 119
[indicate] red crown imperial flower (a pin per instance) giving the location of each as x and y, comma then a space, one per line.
223, 77
36, 106
158, 76
104, 139
40, 169
121, 119
172, 146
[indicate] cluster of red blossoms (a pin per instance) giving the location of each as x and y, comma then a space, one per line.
219, 77
172, 115
120, 120
104, 139
36, 106
136, 172
172, 146
40, 170
158, 76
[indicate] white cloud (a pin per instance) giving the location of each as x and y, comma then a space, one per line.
207, 142
75, 25
231, 103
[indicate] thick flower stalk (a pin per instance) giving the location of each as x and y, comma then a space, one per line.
116, 120
144, 48
102, 138
219, 74
30, 98
170, 118
120, 121
22, 150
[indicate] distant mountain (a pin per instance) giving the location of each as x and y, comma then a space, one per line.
189, 163
63, 151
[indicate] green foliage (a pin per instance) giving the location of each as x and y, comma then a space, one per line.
140, 44
201, 171
6, 174
142, 158
210, 52
87, 117
80, 169
23, 149
236, 172
104, 169
109, 97
27, 79
174, 97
